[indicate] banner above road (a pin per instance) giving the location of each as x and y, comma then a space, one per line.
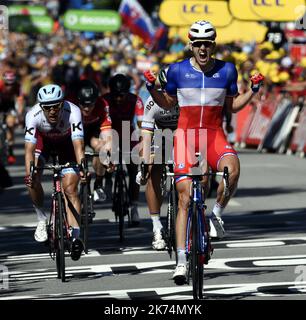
184, 13
27, 10
237, 30
31, 24
267, 10
92, 20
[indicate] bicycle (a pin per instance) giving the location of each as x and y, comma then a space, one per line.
198, 242
171, 214
121, 201
87, 207
58, 227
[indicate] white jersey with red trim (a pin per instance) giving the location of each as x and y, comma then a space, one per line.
69, 123
201, 96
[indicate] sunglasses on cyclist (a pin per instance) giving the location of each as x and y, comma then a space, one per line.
48, 107
199, 43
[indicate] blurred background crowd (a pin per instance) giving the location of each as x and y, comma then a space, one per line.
45, 42
63, 56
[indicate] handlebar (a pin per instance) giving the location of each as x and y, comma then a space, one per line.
54, 167
224, 175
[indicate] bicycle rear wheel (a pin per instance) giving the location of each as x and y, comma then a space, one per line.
196, 261
60, 247
118, 205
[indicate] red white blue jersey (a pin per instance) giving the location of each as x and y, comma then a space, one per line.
201, 95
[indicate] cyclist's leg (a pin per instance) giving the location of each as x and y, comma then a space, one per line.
73, 209
221, 154
233, 164
154, 201
182, 156
97, 146
73, 205
183, 189
37, 196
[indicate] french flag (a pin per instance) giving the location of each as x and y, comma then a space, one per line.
137, 20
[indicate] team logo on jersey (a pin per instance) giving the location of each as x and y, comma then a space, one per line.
181, 166
216, 75
190, 75
77, 126
29, 131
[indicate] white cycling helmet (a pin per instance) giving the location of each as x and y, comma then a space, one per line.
202, 30
50, 94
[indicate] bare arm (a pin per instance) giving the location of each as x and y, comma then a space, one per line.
29, 155
235, 104
145, 152
163, 99
78, 145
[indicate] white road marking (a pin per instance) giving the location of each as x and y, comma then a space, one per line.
255, 244
95, 269
173, 293
280, 262
234, 203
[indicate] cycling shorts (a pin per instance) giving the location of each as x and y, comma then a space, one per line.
211, 143
62, 148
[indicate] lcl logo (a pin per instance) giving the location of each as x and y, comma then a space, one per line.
196, 8
268, 3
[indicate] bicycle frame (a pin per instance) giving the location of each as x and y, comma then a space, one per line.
58, 228
197, 245
196, 197
121, 198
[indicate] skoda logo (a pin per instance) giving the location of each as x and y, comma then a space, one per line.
72, 19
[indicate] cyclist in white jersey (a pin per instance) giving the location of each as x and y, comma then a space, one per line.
54, 126
156, 118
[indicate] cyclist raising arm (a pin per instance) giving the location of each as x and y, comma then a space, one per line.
202, 86
54, 126
156, 117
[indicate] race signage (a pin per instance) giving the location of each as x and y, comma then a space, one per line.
267, 10
31, 24
184, 13
237, 30
27, 10
92, 20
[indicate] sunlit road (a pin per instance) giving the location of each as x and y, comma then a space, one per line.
262, 256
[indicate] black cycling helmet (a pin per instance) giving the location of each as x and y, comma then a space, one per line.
119, 84
87, 92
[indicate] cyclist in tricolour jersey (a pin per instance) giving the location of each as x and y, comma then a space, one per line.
202, 86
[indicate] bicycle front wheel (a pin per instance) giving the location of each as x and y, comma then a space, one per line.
60, 247
197, 271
